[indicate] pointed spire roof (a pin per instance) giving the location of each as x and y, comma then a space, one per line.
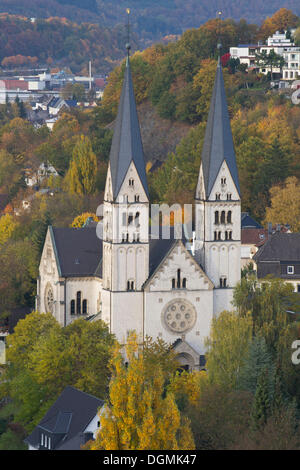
127, 144
218, 142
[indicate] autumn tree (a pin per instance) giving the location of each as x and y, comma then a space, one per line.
81, 177
285, 204
282, 20
81, 219
45, 357
139, 415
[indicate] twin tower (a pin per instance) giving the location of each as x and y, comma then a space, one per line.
132, 261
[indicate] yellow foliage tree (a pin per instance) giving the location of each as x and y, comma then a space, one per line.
138, 416
285, 204
81, 219
188, 385
7, 227
81, 177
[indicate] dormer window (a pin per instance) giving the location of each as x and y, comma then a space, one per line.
290, 269
131, 182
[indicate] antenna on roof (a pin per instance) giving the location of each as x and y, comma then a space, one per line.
128, 46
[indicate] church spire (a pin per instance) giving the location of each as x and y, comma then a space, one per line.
218, 142
127, 144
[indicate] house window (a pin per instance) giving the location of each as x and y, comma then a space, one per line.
230, 235
223, 181
223, 282
216, 217
72, 307
130, 285
215, 235
173, 283
228, 196
84, 307
136, 198
290, 269
218, 196
131, 182
184, 283
219, 235
78, 303
223, 217
229, 217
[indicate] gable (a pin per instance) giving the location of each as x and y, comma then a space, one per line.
223, 189
178, 258
49, 263
128, 190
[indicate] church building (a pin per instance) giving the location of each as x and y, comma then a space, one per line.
158, 287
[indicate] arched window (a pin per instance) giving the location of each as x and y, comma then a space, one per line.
131, 182
219, 236
173, 283
72, 307
78, 303
178, 278
84, 307
216, 217
184, 283
229, 217
226, 235
230, 235
136, 198
130, 285
137, 219
229, 197
223, 217
215, 235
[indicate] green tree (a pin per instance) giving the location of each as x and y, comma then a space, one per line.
269, 60
227, 348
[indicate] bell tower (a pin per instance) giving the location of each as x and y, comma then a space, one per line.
126, 218
217, 199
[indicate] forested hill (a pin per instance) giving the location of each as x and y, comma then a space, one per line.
59, 42
150, 18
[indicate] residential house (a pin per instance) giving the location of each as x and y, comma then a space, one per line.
68, 424
280, 257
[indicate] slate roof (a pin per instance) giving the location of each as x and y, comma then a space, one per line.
79, 251
127, 142
66, 420
280, 247
218, 143
248, 222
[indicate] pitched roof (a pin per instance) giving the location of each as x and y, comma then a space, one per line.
78, 250
218, 143
280, 247
127, 142
254, 236
248, 222
67, 418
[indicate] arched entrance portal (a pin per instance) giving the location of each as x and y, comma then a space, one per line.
186, 361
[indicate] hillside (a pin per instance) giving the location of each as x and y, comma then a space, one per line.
151, 19
57, 41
